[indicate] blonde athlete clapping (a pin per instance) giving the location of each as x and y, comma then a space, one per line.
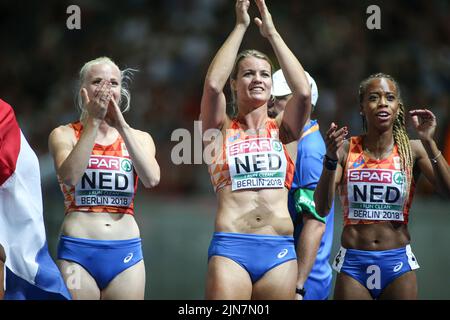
98, 161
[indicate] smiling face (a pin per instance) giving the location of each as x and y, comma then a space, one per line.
253, 82
380, 104
102, 72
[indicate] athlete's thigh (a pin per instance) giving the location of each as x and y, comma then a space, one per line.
278, 283
127, 285
348, 288
79, 282
227, 280
402, 288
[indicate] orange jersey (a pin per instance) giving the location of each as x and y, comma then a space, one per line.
374, 191
252, 161
109, 182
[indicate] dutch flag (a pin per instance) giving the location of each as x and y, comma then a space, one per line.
30, 272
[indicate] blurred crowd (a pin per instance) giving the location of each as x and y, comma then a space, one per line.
171, 43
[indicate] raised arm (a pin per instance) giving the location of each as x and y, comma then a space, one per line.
213, 104
298, 108
427, 155
139, 145
334, 162
71, 157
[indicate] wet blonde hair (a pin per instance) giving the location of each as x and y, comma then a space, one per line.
125, 78
241, 56
401, 138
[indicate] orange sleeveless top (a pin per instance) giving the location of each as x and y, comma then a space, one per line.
374, 191
109, 182
251, 161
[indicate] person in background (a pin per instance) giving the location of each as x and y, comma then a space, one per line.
313, 234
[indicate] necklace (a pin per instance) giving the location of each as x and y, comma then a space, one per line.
382, 154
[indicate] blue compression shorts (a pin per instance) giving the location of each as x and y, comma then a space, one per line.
375, 270
256, 253
103, 259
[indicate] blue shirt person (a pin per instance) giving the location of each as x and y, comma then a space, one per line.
313, 234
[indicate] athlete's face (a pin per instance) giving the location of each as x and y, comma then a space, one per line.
380, 104
103, 72
253, 81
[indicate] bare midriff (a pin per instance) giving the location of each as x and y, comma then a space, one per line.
253, 212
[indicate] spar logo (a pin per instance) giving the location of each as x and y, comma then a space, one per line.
277, 146
251, 146
399, 178
126, 165
371, 176
104, 163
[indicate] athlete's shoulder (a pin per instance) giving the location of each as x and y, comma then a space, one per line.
63, 130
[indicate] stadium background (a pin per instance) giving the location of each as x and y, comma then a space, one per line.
171, 43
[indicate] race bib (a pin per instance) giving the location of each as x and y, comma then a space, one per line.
376, 194
107, 181
256, 164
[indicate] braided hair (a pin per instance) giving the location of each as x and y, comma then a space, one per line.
401, 138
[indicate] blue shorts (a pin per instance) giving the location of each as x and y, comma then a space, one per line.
103, 259
375, 270
319, 282
256, 253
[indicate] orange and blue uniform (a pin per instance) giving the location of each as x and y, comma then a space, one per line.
374, 191
252, 161
247, 160
108, 184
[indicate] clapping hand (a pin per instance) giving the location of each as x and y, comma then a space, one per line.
265, 23
98, 105
242, 17
424, 121
334, 139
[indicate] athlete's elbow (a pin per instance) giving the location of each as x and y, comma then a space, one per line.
70, 179
212, 86
152, 179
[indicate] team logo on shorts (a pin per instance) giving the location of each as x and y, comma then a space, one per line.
128, 257
398, 267
282, 253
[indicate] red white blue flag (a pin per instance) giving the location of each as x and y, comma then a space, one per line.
30, 272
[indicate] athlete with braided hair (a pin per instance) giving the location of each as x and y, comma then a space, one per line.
375, 174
